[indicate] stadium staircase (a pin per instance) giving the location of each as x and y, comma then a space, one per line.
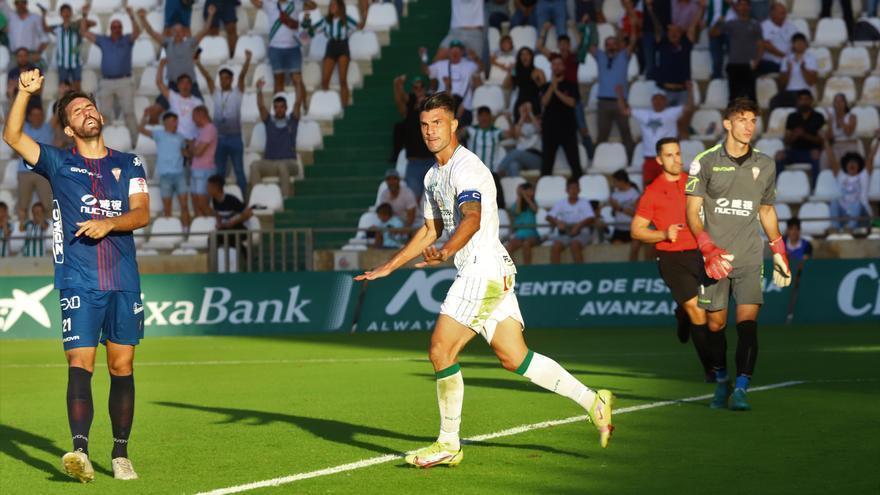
346, 174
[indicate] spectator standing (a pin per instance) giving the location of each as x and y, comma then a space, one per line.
799, 72
554, 12
399, 197
684, 14
484, 139
563, 42
623, 204
590, 8
203, 149
467, 26
504, 59
571, 218
337, 27
418, 158
35, 232
613, 62
224, 14
846, 7
25, 29
457, 76
797, 248
524, 13
658, 122
22, 64
389, 229
525, 234
588, 35
840, 134
497, 12
180, 101
40, 131
527, 154
526, 80
279, 156
230, 214
115, 83
803, 143
655, 13
559, 98
5, 231
673, 69
745, 49
68, 43
630, 26
853, 177
227, 112
777, 31
177, 12
169, 163
717, 11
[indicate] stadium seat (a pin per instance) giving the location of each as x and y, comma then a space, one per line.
868, 121
165, 233
561, 165
690, 148
807, 9
93, 58
792, 186
311, 75
105, 6
490, 96
268, 195
706, 124
588, 71
717, 94
198, 232
524, 36
549, 190
324, 105
776, 123
594, 187
142, 4
147, 84
117, 137
262, 71
769, 146
145, 145
814, 218
543, 63
613, 11
355, 78
317, 47
870, 91
701, 65
605, 30
766, 89
493, 37
364, 45
802, 27
261, 23
215, 50
250, 112
380, 17
497, 75
640, 93
826, 187
255, 43
5, 151
853, 61
839, 84
143, 53
824, 62
830, 32
308, 136
874, 186
4, 56
508, 187
503, 225
544, 228
783, 214
632, 69
233, 190
609, 158
367, 220
10, 175
257, 142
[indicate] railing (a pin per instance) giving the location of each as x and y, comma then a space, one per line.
276, 250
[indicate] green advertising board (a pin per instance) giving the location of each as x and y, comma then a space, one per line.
562, 296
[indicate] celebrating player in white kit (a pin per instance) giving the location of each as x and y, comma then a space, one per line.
460, 197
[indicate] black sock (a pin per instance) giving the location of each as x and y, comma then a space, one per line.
80, 409
718, 353
746, 349
121, 412
700, 336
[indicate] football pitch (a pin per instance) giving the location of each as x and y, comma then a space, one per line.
332, 413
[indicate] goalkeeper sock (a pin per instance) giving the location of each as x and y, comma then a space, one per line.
547, 373
700, 336
450, 396
718, 353
80, 409
746, 351
121, 405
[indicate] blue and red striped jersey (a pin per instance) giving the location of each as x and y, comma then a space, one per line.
85, 189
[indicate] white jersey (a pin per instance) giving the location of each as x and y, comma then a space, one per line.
466, 178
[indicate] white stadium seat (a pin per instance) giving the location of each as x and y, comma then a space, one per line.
523, 36
355, 78
605, 30
776, 123
261, 23
701, 65
308, 136
165, 233
830, 32
838, 84
147, 85
311, 75
815, 210
717, 94
588, 71
870, 91
874, 186
142, 4
792, 186
867, 121
198, 232
10, 175
367, 220
503, 224
118, 138
609, 158
802, 26
853, 61
380, 17
105, 6
640, 93
252, 42
268, 195
324, 105
543, 63
262, 71
93, 58
770, 146
490, 96
214, 50
317, 48
145, 145
690, 148
824, 62
613, 11
549, 190
807, 9
594, 187
493, 37
561, 165
508, 186
143, 53
766, 89
702, 122
826, 187
257, 142
364, 45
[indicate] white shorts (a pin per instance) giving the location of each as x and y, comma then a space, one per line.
481, 303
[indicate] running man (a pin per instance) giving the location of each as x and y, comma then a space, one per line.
678, 259
460, 197
100, 198
735, 187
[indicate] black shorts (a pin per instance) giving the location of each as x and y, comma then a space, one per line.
682, 271
336, 49
225, 12
621, 235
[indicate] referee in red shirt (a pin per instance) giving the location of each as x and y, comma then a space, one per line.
679, 260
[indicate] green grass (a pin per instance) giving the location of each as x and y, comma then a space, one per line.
215, 412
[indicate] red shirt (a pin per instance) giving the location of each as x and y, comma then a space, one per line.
664, 204
571, 68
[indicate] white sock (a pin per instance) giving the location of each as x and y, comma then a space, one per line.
547, 373
450, 396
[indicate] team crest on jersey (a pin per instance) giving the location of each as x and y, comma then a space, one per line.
137, 162
116, 173
755, 172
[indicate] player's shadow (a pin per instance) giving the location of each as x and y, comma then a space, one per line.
12, 441
465, 365
337, 431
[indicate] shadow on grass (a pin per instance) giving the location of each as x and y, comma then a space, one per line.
337, 431
12, 441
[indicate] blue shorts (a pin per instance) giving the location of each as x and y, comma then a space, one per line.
285, 60
176, 13
199, 180
90, 316
171, 185
225, 12
70, 75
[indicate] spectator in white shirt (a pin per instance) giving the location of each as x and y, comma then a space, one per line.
399, 196
853, 176
571, 218
25, 29
458, 75
623, 203
799, 71
466, 25
777, 31
841, 129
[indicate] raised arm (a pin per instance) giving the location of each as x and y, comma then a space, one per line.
142, 14
84, 26
248, 55
29, 82
261, 105
212, 10
400, 94
46, 28
135, 27
142, 125
209, 80
542, 39
160, 79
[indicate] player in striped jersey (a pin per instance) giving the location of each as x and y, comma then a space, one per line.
35, 232
68, 41
484, 139
337, 26
460, 197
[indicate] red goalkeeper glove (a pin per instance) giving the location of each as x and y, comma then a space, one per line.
717, 260
781, 270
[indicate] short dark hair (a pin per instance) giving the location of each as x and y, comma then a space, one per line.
798, 37
64, 6
202, 109
3, 205
484, 109
226, 70
61, 105
384, 207
620, 175
168, 115
853, 157
664, 141
439, 100
279, 98
570, 181
218, 180
740, 105
805, 92
563, 37
182, 77
24, 50
794, 222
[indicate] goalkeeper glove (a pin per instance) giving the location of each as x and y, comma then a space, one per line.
781, 270
717, 260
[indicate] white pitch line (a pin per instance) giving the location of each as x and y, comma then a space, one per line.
479, 438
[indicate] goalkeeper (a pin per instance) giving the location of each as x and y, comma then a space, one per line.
735, 186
